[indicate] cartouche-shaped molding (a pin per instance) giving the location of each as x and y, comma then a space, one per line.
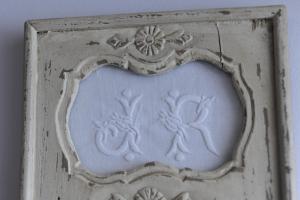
153, 60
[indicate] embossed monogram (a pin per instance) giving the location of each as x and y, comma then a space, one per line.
174, 123
149, 193
125, 123
171, 119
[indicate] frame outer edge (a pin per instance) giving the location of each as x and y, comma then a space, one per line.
283, 101
158, 17
30, 83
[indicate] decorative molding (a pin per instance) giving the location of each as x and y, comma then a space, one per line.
125, 123
174, 123
117, 42
117, 197
149, 193
151, 40
85, 67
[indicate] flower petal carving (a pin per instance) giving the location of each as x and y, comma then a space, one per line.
183, 196
148, 193
150, 40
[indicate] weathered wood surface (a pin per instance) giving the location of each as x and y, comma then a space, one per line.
249, 43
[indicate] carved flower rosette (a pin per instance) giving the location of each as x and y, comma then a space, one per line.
150, 193
151, 44
150, 40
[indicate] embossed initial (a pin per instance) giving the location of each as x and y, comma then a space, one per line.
121, 123
174, 123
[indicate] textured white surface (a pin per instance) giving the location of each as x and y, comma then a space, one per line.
15, 12
210, 140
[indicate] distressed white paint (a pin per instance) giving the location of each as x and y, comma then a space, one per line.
249, 43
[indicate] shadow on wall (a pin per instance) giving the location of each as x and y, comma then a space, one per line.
11, 112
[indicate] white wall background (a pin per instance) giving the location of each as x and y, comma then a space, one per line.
13, 13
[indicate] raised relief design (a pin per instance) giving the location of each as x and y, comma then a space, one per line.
117, 42
181, 39
121, 123
172, 120
149, 193
151, 40
116, 197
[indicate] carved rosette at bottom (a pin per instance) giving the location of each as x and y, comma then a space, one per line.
149, 193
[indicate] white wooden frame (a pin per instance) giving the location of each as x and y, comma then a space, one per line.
61, 52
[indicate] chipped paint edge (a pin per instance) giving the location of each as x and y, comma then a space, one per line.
30, 89
284, 114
